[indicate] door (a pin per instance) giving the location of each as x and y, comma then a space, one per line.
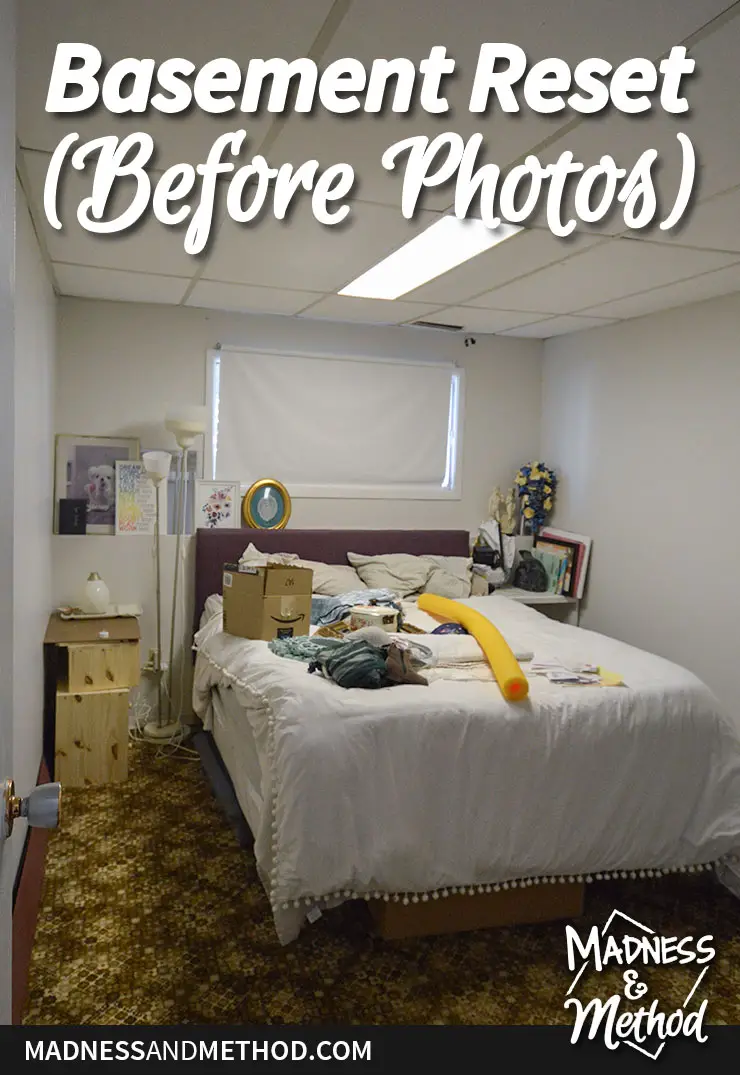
7, 363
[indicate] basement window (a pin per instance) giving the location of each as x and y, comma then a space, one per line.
330, 426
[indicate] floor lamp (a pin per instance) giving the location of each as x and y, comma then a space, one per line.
185, 424
157, 466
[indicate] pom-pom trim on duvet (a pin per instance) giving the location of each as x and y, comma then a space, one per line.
407, 898
280, 903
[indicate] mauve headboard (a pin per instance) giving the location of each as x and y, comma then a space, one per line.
214, 548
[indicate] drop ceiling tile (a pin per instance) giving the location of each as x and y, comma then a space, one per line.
301, 253
711, 123
387, 28
298, 256
605, 272
147, 247
360, 140
521, 253
369, 311
476, 320
697, 288
143, 29
246, 298
712, 225
120, 286
559, 326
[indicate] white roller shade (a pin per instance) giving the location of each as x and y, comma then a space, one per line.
333, 423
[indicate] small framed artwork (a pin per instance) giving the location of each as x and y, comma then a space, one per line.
85, 469
72, 516
217, 504
136, 499
266, 505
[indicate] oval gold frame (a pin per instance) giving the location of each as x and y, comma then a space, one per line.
255, 487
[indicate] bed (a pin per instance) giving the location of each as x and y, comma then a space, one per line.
415, 798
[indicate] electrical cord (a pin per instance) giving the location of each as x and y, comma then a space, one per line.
142, 712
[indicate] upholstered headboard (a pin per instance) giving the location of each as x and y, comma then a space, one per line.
214, 548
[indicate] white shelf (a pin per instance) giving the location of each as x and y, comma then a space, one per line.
531, 597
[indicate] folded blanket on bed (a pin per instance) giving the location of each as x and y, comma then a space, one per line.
452, 650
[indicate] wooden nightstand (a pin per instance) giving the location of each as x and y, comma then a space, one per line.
86, 700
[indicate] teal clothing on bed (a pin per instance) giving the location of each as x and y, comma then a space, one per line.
302, 647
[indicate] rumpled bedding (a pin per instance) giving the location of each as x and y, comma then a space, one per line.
414, 791
325, 610
453, 652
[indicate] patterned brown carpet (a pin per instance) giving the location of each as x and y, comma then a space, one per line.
152, 914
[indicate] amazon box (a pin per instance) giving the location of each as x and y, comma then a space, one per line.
273, 601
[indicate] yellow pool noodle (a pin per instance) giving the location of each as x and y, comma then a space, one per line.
504, 665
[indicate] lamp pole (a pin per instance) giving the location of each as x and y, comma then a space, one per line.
157, 465
185, 423
157, 543
184, 444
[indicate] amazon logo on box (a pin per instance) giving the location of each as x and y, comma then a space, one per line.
271, 601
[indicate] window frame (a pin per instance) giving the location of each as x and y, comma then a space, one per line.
451, 490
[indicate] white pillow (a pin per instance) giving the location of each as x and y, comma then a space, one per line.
398, 572
451, 576
329, 580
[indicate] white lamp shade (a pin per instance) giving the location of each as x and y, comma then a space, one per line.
157, 465
186, 423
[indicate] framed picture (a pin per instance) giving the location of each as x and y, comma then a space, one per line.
136, 499
85, 469
217, 505
266, 505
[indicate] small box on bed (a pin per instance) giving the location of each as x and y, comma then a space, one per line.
273, 601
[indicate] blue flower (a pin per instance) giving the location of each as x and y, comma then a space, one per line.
538, 490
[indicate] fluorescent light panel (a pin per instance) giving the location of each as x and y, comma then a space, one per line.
440, 247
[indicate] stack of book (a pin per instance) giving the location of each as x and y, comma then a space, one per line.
565, 557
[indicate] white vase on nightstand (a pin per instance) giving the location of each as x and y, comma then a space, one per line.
96, 598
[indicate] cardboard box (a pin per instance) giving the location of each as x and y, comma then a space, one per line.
267, 602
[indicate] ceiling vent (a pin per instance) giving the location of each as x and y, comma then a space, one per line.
436, 324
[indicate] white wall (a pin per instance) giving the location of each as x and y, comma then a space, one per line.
121, 365
642, 421
35, 330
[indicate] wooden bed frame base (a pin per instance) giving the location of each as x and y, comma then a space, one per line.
457, 914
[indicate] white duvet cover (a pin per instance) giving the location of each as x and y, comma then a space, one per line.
413, 790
